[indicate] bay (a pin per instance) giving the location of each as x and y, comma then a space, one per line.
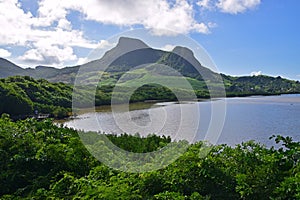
247, 118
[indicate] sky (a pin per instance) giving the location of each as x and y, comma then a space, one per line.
242, 37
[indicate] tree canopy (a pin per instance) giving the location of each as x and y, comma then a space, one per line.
40, 160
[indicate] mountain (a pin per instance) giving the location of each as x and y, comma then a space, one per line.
128, 54
125, 45
183, 60
66, 75
8, 68
135, 62
132, 53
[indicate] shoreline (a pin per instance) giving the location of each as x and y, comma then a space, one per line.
154, 103
107, 107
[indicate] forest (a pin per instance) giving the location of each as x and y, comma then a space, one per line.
40, 160
23, 96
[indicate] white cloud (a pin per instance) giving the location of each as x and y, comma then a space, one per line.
48, 42
50, 32
4, 53
153, 14
228, 6
49, 55
82, 61
212, 25
168, 47
237, 6
207, 4
258, 73
64, 24
104, 44
201, 28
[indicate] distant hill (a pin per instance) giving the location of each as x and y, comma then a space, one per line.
131, 53
8, 68
66, 75
260, 85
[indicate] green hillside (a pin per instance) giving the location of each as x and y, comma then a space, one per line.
22, 96
263, 85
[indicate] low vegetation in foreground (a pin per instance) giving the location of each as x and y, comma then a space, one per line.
40, 160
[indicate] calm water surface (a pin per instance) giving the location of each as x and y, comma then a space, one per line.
247, 118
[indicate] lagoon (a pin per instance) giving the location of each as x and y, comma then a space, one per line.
247, 118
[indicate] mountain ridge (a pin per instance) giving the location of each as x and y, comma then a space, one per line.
129, 54
8, 68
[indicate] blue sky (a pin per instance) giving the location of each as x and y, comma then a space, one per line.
241, 36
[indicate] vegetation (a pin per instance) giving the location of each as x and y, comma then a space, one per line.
234, 86
40, 160
259, 85
129, 69
23, 96
158, 80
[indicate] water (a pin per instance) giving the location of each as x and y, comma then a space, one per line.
247, 118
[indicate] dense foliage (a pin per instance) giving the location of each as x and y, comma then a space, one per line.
40, 160
259, 85
22, 96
